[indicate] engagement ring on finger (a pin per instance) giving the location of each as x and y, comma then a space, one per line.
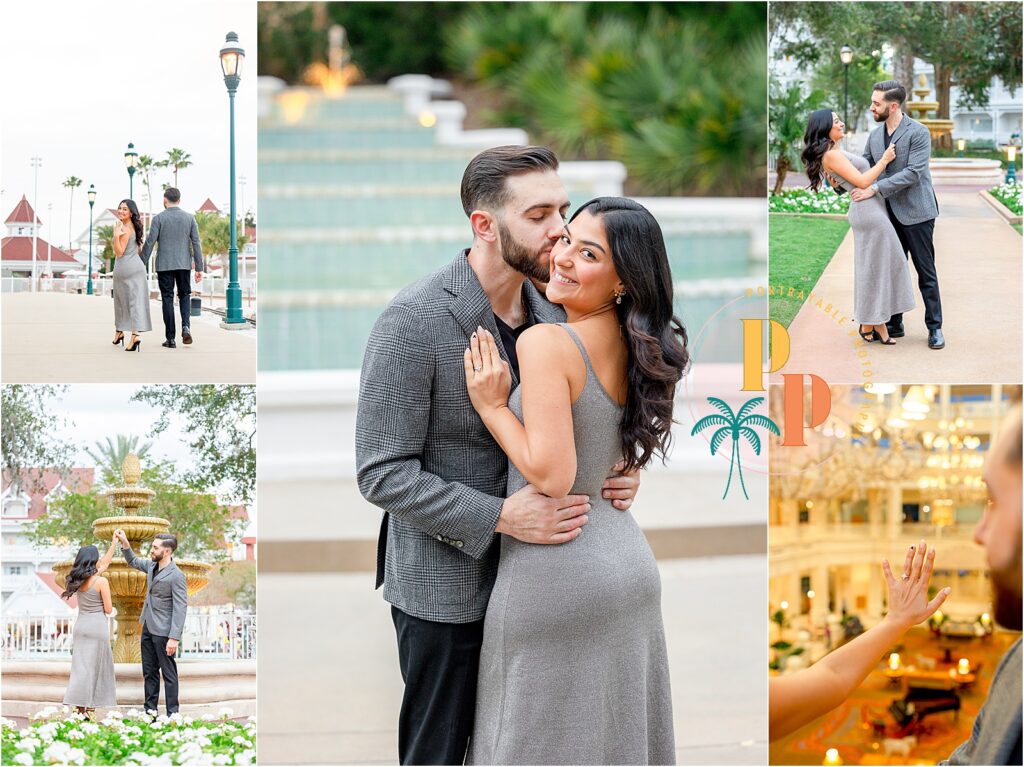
477, 369
906, 576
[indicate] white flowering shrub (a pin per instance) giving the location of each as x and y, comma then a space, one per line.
806, 201
1009, 195
56, 736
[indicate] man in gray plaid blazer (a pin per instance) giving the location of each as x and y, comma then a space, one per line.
996, 735
906, 186
175, 235
162, 617
424, 456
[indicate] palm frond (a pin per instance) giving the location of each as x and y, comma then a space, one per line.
723, 408
748, 406
752, 438
762, 421
718, 437
709, 420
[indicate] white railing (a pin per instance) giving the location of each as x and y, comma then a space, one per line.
214, 635
211, 289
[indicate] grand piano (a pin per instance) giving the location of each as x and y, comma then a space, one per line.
928, 692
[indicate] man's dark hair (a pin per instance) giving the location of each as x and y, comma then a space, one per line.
891, 91
166, 539
172, 195
483, 183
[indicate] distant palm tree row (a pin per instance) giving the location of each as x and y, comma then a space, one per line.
176, 159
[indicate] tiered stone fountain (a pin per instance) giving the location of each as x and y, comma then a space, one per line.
128, 585
969, 171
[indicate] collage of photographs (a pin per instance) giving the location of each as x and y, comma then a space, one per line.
637, 383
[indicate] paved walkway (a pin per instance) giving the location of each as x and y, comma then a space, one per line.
330, 688
978, 259
57, 338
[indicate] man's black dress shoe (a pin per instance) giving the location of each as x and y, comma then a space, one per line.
895, 331
935, 339
169, 344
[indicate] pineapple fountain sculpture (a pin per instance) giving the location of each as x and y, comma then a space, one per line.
128, 585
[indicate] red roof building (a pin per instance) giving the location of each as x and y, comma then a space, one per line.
208, 207
16, 248
78, 481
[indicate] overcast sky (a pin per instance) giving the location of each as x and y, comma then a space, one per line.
93, 412
65, 63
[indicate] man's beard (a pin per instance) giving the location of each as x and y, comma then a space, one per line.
1006, 591
516, 255
881, 118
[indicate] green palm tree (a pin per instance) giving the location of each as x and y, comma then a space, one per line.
110, 454
735, 425
788, 111
146, 165
178, 159
71, 182
105, 240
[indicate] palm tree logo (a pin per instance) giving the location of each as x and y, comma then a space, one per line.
735, 426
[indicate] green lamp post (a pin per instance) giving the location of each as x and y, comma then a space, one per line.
231, 58
91, 194
131, 161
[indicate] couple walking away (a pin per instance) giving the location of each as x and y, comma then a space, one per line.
92, 682
892, 212
506, 406
175, 235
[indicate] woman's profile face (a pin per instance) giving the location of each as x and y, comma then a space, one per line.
123, 213
838, 128
583, 274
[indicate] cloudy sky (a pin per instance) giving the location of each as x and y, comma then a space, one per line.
87, 78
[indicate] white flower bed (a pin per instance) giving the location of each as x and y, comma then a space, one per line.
56, 736
806, 201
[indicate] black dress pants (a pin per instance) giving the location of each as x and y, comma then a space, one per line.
439, 663
916, 239
167, 282
156, 661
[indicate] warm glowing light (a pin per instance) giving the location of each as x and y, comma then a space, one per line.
1011, 153
963, 666
428, 119
784, 605
961, 144
832, 757
985, 619
293, 105
810, 594
894, 661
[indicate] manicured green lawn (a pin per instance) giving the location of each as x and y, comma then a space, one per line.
799, 249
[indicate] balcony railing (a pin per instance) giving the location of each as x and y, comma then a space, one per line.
217, 635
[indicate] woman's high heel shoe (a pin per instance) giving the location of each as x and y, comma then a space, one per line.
118, 339
136, 343
869, 336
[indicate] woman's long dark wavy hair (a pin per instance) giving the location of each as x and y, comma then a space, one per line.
655, 337
83, 568
136, 220
816, 143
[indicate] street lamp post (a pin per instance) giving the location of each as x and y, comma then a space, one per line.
1011, 165
49, 243
37, 163
131, 161
846, 56
231, 58
92, 199
960, 144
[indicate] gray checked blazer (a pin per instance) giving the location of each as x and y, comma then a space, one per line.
996, 735
163, 612
176, 234
422, 453
906, 184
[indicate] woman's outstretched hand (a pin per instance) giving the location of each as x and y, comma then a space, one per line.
908, 591
488, 376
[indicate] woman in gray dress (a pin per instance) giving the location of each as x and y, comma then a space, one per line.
881, 275
573, 667
131, 287
92, 662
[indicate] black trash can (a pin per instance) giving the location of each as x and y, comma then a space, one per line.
197, 306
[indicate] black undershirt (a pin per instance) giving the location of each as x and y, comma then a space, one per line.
509, 336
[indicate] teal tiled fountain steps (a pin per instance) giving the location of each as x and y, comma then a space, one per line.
358, 199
